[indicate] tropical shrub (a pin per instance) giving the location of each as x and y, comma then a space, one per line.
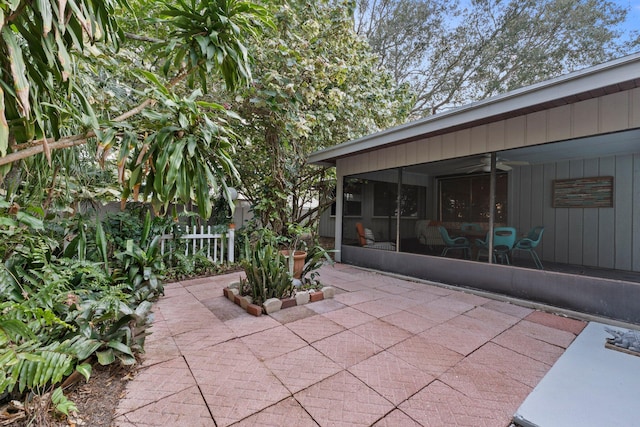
316, 257
182, 266
58, 314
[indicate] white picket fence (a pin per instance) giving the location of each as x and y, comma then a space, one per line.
211, 244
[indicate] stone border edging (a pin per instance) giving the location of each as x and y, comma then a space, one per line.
273, 305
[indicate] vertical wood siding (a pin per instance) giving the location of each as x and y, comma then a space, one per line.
596, 237
609, 113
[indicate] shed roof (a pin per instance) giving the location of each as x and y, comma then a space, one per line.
607, 78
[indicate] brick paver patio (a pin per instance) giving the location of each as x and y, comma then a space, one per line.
383, 352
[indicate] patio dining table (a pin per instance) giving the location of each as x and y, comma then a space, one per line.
470, 235
501, 251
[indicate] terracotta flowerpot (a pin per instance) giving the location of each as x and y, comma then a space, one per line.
298, 261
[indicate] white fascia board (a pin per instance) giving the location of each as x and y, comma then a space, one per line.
583, 81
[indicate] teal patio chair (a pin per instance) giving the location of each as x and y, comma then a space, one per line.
461, 243
470, 226
504, 239
529, 244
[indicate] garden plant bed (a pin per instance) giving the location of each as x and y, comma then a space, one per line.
276, 304
96, 399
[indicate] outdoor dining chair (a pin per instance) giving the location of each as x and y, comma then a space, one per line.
529, 244
461, 243
504, 239
470, 226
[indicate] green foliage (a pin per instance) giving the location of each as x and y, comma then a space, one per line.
211, 32
188, 143
80, 82
61, 403
266, 268
184, 266
316, 257
316, 84
64, 83
40, 42
270, 273
30, 365
37, 347
99, 241
59, 312
188, 155
222, 211
141, 269
114, 324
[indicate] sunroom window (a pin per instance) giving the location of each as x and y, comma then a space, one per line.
466, 198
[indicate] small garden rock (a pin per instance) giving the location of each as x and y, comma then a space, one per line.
328, 291
302, 297
272, 305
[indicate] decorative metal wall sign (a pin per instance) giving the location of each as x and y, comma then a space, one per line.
593, 192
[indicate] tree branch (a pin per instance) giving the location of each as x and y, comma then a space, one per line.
142, 38
75, 140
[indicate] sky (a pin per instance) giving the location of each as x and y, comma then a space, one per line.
633, 17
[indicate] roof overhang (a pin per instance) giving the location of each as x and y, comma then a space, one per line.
611, 77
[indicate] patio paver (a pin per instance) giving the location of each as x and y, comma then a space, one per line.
391, 376
314, 328
385, 352
302, 368
343, 400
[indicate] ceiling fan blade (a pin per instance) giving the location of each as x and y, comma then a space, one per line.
470, 167
476, 169
484, 164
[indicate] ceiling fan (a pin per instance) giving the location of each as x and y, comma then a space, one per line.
484, 164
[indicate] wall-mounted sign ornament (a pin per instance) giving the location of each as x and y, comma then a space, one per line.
593, 192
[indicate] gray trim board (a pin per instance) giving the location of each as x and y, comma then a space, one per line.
612, 299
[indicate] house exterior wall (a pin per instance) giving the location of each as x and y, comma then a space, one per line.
610, 113
327, 226
594, 237
608, 238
